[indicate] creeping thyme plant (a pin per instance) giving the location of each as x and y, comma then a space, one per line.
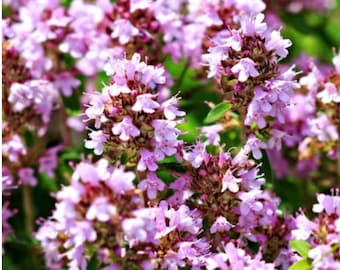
170, 134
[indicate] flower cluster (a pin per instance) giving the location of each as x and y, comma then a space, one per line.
227, 190
244, 59
131, 117
102, 212
312, 122
322, 234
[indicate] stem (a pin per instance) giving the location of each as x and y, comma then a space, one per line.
28, 209
338, 162
67, 132
182, 75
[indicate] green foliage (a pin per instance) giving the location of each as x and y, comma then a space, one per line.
217, 112
304, 264
301, 247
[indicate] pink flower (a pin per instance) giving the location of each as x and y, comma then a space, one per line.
66, 83
101, 209
49, 162
120, 181
197, 155
151, 184
245, 68
220, 225
230, 182
254, 145
276, 43
170, 109
327, 203
251, 25
125, 129
96, 142
211, 132
26, 176
96, 109
14, 148
304, 228
147, 161
123, 30
145, 103
329, 94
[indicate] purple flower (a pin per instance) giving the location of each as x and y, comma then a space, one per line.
165, 138
147, 161
71, 193
323, 129
26, 176
140, 228
6, 227
115, 90
173, 261
277, 44
123, 30
80, 232
14, 148
20, 96
96, 142
244, 69
120, 181
329, 94
101, 209
145, 103
184, 219
87, 173
211, 132
151, 184
66, 83
76, 258
327, 203
234, 41
153, 76
197, 155
252, 25
49, 162
230, 182
125, 129
254, 145
170, 109
220, 225
304, 228
96, 108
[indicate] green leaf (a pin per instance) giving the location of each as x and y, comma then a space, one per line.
266, 167
301, 247
29, 138
70, 155
217, 112
301, 265
93, 263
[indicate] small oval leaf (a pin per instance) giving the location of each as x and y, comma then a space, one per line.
301, 265
301, 247
217, 112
